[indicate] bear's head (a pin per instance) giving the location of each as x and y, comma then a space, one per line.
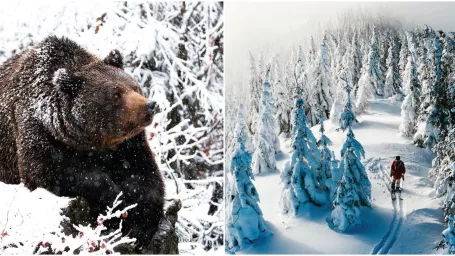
105, 106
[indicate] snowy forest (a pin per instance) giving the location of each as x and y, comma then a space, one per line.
318, 129
175, 52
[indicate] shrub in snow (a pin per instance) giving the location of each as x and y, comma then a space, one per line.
265, 148
300, 176
244, 221
89, 239
411, 103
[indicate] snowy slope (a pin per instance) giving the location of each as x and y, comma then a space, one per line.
410, 226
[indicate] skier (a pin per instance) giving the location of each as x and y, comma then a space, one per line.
397, 172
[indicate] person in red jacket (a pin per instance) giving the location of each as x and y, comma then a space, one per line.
397, 173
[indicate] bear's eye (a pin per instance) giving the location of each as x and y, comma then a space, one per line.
117, 95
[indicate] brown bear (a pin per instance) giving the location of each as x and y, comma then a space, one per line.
73, 124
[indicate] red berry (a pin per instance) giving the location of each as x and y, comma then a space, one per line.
81, 234
108, 252
103, 245
125, 214
90, 249
63, 239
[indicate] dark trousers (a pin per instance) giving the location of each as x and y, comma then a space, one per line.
396, 184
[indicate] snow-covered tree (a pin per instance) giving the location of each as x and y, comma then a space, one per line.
327, 162
356, 58
354, 187
244, 221
300, 178
320, 90
411, 103
371, 81
266, 139
448, 237
428, 132
254, 96
392, 82
404, 54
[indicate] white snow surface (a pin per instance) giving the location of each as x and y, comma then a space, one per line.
409, 226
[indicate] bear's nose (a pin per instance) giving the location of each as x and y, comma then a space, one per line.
152, 108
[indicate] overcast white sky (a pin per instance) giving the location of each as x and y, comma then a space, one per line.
273, 27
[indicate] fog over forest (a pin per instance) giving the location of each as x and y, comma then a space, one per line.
274, 27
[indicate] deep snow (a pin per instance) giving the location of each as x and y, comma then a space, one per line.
409, 226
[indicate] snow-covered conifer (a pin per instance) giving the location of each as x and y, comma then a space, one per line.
428, 131
300, 174
244, 221
354, 188
327, 161
266, 139
320, 90
411, 103
371, 81
392, 82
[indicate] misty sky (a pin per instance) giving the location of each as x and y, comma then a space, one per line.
274, 27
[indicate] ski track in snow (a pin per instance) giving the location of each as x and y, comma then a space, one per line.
399, 208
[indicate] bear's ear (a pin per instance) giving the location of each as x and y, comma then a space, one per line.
67, 82
114, 59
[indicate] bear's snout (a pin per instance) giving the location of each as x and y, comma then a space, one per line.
152, 108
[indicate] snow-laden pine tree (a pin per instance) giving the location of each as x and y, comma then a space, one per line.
404, 54
254, 96
300, 174
371, 82
411, 103
344, 77
354, 187
266, 139
448, 237
244, 221
320, 89
428, 131
327, 162
392, 84
356, 58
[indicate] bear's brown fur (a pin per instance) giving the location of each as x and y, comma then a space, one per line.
74, 124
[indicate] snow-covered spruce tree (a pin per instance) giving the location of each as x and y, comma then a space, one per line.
411, 103
448, 235
244, 221
344, 77
320, 90
300, 174
266, 139
356, 58
284, 97
404, 54
327, 162
392, 82
371, 82
254, 96
428, 131
354, 188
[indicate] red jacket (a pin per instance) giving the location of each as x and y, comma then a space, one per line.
398, 170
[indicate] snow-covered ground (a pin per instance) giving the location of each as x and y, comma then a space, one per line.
409, 226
